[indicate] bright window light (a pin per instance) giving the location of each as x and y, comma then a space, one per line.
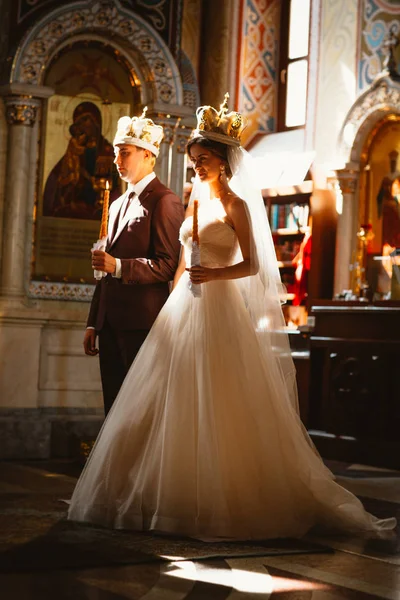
296, 98
299, 28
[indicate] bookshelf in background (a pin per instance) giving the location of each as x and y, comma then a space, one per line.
322, 209
288, 210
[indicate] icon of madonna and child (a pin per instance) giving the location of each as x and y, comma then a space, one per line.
74, 188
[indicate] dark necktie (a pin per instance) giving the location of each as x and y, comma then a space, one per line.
127, 205
121, 215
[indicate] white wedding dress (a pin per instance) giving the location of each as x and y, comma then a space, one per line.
199, 441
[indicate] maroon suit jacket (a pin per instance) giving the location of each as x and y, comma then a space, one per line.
149, 251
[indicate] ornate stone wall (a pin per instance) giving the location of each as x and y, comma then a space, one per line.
161, 15
64, 24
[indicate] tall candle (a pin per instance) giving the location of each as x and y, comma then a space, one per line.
195, 254
195, 232
104, 216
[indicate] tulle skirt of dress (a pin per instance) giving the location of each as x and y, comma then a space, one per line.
200, 442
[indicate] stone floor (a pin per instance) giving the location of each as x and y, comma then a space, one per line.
356, 568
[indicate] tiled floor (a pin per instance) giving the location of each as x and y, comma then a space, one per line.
357, 569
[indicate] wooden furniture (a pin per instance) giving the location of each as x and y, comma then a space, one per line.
287, 237
354, 395
287, 233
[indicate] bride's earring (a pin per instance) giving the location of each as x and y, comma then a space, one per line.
222, 175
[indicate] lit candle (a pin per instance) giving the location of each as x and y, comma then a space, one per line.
195, 232
195, 254
104, 216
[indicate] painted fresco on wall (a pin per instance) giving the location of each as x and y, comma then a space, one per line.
377, 19
74, 187
78, 161
258, 71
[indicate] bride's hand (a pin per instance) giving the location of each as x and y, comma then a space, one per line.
201, 274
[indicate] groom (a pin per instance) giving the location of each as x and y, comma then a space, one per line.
141, 256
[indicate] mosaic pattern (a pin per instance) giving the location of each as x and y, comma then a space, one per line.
159, 13
259, 62
61, 291
191, 97
50, 33
377, 18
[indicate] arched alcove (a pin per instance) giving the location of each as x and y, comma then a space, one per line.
373, 111
380, 100
128, 33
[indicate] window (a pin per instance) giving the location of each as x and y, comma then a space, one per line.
293, 64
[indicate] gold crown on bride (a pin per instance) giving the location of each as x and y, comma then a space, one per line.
219, 126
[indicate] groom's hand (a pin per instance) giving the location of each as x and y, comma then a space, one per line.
89, 342
101, 261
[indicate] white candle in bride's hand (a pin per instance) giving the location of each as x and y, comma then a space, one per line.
195, 254
195, 229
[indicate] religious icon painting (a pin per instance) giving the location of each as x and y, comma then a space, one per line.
78, 162
92, 91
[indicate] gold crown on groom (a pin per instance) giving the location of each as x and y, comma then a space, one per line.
219, 126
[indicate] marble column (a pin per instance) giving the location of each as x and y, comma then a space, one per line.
215, 57
21, 115
178, 163
346, 228
178, 122
163, 163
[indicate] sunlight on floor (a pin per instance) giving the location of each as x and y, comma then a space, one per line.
255, 581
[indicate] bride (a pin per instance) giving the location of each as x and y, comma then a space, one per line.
204, 439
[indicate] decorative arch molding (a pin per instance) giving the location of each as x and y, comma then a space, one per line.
379, 101
133, 61
110, 21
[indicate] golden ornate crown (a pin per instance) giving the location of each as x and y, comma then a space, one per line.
220, 126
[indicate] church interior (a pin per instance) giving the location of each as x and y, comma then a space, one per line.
318, 82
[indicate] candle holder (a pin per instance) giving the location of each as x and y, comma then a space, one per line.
359, 284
